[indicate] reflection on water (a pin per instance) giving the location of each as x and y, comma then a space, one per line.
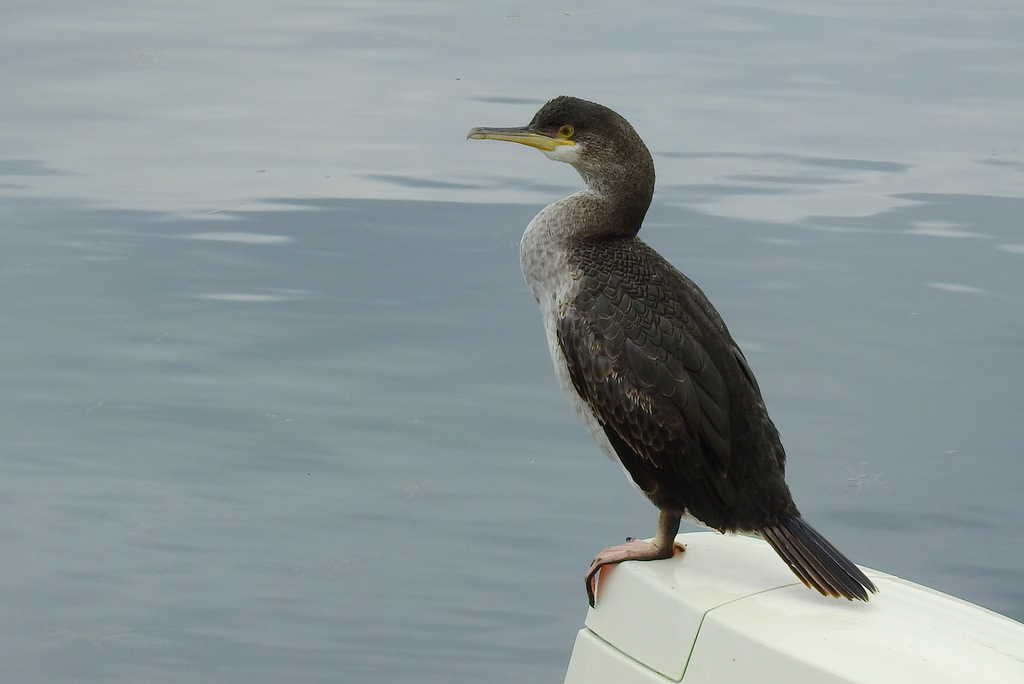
317, 440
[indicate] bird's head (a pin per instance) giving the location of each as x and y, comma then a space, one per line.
602, 146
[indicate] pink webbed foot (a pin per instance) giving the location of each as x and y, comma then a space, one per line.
633, 549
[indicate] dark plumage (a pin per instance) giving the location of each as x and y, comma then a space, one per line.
648, 362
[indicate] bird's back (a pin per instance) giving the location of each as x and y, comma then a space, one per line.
649, 353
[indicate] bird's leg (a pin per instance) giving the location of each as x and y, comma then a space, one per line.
664, 546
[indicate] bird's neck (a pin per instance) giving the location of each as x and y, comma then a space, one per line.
609, 212
616, 200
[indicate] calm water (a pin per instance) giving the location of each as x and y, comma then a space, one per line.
277, 405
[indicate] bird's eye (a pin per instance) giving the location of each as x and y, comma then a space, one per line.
566, 131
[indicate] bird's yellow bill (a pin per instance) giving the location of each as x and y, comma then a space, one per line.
523, 135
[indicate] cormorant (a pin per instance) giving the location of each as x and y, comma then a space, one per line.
647, 361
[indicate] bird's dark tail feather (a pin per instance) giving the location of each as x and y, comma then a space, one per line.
815, 561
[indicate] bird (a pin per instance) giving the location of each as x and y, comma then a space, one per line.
647, 361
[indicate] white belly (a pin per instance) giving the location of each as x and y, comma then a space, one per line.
547, 271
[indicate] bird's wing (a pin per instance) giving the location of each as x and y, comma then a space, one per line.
634, 357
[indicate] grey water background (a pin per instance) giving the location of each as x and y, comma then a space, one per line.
276, 403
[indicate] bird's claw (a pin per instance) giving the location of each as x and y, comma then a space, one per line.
633, 549
591, 582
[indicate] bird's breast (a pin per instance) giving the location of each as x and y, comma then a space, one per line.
544, 256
